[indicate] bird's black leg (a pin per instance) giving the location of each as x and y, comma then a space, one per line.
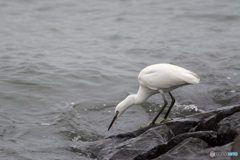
165, 104
173, 101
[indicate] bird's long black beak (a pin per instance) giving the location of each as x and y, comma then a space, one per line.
114, 119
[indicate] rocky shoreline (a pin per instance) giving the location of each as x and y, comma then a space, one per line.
191, 137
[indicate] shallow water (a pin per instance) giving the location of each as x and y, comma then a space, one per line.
65, 65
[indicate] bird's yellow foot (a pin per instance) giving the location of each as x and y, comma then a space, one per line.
163, 121
147, 125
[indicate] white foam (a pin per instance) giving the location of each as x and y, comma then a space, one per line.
45, 124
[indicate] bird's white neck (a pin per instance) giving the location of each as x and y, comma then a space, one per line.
142, 95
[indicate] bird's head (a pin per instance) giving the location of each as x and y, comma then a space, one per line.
120, 108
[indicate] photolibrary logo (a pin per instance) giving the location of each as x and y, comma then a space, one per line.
213, 154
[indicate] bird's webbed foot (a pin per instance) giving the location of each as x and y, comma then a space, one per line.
150, 124
163, 121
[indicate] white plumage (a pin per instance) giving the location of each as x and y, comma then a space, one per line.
157, 78
166, 77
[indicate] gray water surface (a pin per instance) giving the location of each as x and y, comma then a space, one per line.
65, 65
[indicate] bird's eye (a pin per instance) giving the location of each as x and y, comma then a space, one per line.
117, 112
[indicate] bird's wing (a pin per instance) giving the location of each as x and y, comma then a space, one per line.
157, 80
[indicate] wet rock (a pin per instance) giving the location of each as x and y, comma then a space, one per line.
176, 139
186, 149
207, 136
202, 121
229, 128
236, 147
184, 125
130, 148
194, 148
210, 123
91, 149
126, 146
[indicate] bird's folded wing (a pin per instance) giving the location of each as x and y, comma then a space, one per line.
167, 79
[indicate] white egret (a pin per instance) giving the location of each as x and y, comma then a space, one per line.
157, 78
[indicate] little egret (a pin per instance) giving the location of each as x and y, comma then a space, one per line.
157, 78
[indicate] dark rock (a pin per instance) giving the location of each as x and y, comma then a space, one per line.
229, 129
132, 147
120, 147
213, 129
202, 121
91, 149
194, 148
236, 147
184, 125
125, 136
205, 153
210, 123
186, 148
207, 136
